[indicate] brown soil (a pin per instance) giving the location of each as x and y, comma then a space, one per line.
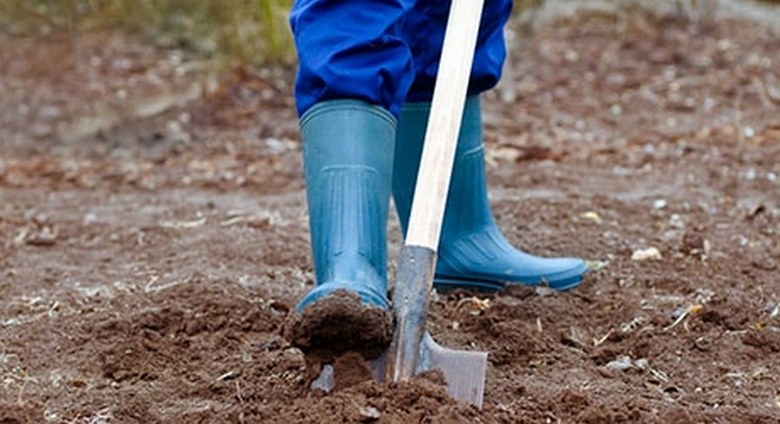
147, 268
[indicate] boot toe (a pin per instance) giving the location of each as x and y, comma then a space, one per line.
557, 273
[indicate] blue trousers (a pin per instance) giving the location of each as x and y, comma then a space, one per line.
385, 52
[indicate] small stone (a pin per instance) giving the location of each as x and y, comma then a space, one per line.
642, 363
40, 219
90, 218
369, 413
649, 254
679, 311
620, 364
676, 221
543, 291
325, 381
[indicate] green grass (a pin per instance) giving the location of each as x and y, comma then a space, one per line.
243, 31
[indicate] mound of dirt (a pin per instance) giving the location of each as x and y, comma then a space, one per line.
422, 399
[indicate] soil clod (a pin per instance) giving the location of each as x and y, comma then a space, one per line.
340, 323
350, 369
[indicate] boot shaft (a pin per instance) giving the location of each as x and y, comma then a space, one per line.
467, 202
348, 156
473, 252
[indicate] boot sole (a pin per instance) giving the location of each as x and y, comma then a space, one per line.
447, 283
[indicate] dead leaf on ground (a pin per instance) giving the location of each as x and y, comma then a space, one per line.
473, 305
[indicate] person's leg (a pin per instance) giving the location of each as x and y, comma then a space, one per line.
354, 71
351, 49
423, 31
348, 157
473, 253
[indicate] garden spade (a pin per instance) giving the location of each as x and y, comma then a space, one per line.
413, 350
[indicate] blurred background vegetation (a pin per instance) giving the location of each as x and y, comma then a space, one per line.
233, 32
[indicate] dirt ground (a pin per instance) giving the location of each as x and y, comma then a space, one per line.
153, 235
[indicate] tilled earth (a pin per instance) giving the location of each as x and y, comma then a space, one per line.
151, 254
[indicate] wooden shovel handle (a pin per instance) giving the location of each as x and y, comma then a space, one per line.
441, 136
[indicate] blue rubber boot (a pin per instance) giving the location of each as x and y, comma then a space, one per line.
473, 253
348, 159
